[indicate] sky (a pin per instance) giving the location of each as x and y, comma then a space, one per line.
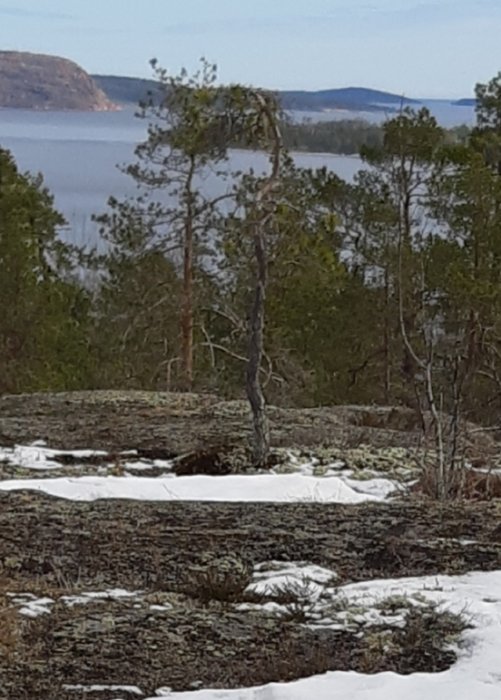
417, 48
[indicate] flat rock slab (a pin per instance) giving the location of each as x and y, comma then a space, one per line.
150, 545
50, 545
119, 420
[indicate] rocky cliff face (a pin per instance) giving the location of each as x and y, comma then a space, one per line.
36, 81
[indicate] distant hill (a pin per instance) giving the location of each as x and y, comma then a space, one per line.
40, 82
36, 81
125, 90
133, 90
466, 102
351, 98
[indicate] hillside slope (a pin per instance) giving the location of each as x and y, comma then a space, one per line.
125, 90
40, 82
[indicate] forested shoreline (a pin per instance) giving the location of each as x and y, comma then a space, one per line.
347, 136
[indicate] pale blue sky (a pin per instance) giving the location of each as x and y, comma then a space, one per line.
420, 48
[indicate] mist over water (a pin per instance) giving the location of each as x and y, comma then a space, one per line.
78, 154
445, 112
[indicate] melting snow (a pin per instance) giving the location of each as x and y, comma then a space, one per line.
477, 673
39, 457
276, 488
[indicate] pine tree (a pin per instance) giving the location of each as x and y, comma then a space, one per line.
44, 315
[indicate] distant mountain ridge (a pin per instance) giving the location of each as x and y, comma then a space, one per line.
126, 90
358, 98
41, 82
133, 90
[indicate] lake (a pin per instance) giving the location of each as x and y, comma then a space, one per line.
78, 154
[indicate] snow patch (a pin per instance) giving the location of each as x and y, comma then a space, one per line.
114, 594
476, 674
264, 488
39, 457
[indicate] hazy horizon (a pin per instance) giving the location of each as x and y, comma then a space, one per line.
416, 48
317, 89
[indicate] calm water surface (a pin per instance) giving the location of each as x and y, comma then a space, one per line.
79, 154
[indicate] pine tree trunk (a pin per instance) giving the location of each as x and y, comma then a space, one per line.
263, 213
387, 340
187, 312
261, 443
187, 301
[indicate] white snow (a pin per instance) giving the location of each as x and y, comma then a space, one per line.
299, 481
33, 607
305, 577
378, 487
477, 673
90, 596
277, 488
142, 466
307, 465
268, 570
39, 457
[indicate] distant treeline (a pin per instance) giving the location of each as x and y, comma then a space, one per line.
345, 137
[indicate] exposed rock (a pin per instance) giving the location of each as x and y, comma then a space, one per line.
182, 423
37, 81
189, 561
51, 548
151, 545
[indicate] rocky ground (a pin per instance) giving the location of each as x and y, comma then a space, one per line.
172, 576
112, 420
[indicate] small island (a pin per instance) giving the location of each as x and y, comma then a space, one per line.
40, 82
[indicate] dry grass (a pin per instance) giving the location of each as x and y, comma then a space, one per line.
10, 622
421, 645
465, 484
224, 580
